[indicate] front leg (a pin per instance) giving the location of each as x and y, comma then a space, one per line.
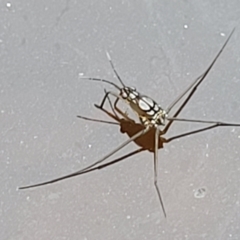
125, 116
106, 96
114, 106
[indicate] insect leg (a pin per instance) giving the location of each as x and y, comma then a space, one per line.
113, 116
114, 107
140, 133
156, 171
106, 96
196, 131
97, 120
83, 172
195, 87
200, 77
205, 121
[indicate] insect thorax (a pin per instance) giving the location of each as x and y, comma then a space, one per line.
148, 111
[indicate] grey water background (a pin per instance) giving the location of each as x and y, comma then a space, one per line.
158, 46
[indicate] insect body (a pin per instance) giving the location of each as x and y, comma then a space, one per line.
151, 114
151, 117
148, 111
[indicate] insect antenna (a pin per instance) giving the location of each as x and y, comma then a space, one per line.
114, 69
107, 81
102, 80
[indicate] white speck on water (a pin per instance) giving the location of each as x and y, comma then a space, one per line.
200, 193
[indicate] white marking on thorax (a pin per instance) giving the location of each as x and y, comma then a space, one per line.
149, 101
143, 105
151, 113
156, 108
132, 95
124, 94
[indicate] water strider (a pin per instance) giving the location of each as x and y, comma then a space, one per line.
151, 117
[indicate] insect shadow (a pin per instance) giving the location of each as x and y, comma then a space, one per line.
146, 134
145, 142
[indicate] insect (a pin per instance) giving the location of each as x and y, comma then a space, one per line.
151, 117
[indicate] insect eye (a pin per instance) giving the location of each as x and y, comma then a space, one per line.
128, 89
124, 93
132, 88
